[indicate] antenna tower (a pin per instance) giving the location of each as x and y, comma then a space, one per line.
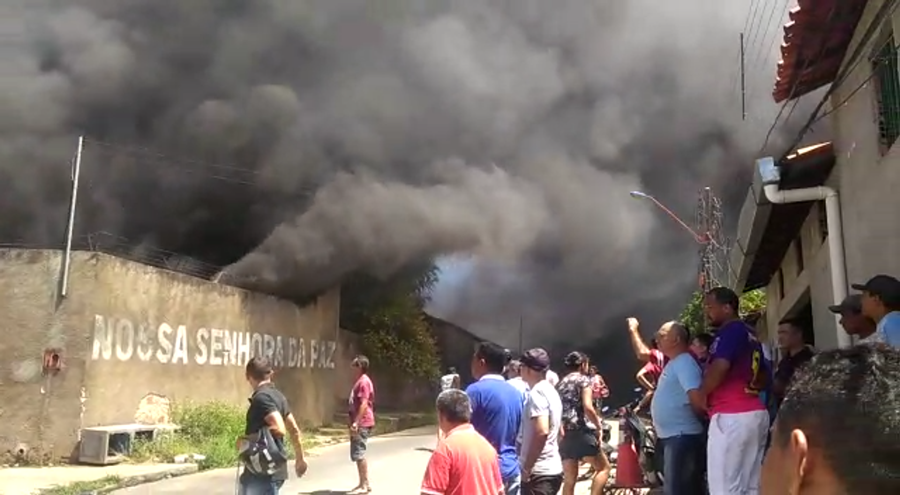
713, 270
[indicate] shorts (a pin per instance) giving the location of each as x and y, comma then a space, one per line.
358, 444
578, 444
542, 485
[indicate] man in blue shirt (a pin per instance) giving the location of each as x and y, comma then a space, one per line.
881, 303
675, 408
497, 410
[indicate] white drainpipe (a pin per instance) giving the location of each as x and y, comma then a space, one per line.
771, 176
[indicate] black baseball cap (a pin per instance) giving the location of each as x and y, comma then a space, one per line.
536, 359
851, 304
885, 287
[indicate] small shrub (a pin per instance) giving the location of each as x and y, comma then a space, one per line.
209, 429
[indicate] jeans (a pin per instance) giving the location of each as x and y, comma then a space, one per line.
683, 464
260, 486
513, 486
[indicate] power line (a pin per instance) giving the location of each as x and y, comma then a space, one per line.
753, 35
747, 17
765, 52
829, 21
221, 172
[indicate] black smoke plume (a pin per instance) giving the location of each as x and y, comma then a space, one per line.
291, 143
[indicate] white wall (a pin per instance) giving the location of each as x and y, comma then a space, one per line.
868, 181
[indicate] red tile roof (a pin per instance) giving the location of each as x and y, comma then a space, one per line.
815, 41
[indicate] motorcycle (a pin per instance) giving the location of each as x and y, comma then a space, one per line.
641, 434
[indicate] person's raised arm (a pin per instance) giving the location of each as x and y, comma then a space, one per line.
641, 351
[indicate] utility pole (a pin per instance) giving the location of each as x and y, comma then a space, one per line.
715, 268
743, 83
70, 224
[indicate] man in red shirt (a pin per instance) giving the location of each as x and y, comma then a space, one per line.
362, 420
654, 359
465, 463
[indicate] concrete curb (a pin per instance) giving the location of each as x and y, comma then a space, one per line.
140, 479
143, 479
387, 424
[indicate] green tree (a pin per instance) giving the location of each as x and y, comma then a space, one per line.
692, 315
389, 316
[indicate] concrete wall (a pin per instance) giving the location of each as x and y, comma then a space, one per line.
792, 286
127, 331
866, 176
456, 346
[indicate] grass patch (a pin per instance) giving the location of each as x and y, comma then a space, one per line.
82, 487
209, 429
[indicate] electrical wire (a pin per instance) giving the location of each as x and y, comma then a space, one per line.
765, 35
752, 34
830, 21
224, 173
768, 51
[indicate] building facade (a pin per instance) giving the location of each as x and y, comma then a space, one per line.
845, 51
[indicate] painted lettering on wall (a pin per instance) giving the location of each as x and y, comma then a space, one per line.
123, 340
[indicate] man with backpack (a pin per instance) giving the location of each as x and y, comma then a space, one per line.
269, 421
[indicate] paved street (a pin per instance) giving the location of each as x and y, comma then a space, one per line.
396, 463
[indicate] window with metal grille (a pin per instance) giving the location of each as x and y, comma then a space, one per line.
887, 77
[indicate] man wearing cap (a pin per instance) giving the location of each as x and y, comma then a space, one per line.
881, 303
541, 464
854, 322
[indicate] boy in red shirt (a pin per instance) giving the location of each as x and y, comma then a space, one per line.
465, 463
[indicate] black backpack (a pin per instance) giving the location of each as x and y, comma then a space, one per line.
263, 456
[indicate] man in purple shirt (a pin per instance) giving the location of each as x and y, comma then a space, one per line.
734, 379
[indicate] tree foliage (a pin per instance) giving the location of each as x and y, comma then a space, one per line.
692, 315
389, 316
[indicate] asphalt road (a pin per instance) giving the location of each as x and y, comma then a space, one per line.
396, 464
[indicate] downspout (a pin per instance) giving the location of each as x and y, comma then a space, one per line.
771, 176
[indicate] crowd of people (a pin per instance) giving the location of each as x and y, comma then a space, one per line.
540, 427
727, 420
